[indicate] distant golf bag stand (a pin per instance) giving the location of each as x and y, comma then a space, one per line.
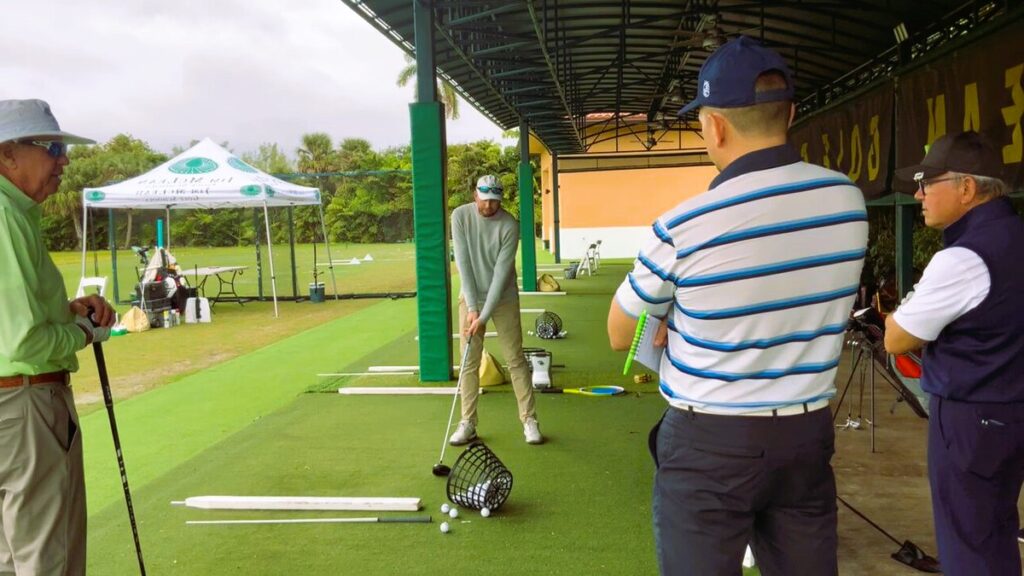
479, 479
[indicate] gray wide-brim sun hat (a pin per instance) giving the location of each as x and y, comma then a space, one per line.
25, 119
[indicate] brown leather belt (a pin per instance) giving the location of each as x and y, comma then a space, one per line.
47, 378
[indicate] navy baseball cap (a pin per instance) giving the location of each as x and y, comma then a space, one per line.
728, 76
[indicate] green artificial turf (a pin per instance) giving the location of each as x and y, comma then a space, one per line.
168, 425
580, 503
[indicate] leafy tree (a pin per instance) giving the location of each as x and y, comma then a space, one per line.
121, 158
269, 159
445, 91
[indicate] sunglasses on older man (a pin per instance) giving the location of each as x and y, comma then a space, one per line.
54, 148
490, 189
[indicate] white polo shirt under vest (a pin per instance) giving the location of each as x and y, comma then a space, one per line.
757, 276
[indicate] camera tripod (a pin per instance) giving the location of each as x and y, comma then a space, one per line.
862, 363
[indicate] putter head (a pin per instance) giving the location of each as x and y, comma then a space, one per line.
914, 557
440, 470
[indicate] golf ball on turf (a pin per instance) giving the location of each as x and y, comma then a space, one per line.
445, 508
485, 512
454, 513
445, 528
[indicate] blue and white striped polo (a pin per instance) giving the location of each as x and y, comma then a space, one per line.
759, 274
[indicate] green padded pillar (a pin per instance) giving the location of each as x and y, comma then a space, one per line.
528, 250
433, 272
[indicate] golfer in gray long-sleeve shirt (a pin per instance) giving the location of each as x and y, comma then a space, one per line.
485, 239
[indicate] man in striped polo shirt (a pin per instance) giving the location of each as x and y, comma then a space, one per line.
755, 279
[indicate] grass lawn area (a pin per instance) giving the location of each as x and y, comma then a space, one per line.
140, 362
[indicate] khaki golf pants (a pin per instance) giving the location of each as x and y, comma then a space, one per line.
42, 490
510, 338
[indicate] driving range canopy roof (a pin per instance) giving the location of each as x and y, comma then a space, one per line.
564, 64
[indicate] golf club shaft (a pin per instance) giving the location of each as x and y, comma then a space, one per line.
455, 397
108, 400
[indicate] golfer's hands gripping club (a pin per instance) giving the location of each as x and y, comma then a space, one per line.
94, 316
473, 324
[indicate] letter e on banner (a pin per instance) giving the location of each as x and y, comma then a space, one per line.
1011, 115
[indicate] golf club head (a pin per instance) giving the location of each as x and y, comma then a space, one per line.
914, 557
440, 470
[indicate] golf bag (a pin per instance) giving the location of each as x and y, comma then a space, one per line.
160, 286
901, 371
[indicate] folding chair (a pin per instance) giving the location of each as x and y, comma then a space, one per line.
98, 282
586, 263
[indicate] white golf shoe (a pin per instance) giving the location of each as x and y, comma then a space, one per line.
532, 431
464, 434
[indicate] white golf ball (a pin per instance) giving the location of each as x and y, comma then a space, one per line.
454, 512
445, 508
485, 512
445, 527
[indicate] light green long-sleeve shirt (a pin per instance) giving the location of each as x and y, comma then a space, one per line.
38, 333
485, 254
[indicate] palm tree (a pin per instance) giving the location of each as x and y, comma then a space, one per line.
445, 91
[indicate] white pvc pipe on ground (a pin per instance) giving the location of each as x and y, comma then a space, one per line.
300, 503
397, 391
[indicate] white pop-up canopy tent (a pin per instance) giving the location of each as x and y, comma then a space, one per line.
205, 176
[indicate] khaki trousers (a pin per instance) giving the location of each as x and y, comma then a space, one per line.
42, 489
510, 338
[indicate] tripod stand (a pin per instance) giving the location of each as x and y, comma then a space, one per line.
860, 346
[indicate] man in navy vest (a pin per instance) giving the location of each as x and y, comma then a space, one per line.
968, 313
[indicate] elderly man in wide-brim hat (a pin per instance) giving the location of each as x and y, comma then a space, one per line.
42, 491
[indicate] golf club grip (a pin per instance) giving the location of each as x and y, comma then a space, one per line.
406, 519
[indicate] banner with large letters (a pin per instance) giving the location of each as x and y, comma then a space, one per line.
977, 87
854, 138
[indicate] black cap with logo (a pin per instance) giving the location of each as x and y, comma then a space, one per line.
962, 152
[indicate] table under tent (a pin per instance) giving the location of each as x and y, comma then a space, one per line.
206, 176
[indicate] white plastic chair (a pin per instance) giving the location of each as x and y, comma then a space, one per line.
98, 282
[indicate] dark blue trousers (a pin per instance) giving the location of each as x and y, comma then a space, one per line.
725, 481
976, 468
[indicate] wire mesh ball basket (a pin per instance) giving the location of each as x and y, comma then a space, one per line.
548, 326
479, 479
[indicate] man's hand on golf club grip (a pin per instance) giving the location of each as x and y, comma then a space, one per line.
96, 308
473, 325
93, 333
94, 316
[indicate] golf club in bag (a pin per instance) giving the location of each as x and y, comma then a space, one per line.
108, 400
440, 469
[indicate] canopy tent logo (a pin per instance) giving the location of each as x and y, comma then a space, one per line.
240, 165
270, 191
251, 190
193, 166
95, 196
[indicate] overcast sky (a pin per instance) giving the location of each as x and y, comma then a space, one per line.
241, 71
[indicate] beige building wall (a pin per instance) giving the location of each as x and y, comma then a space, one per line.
615, 192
